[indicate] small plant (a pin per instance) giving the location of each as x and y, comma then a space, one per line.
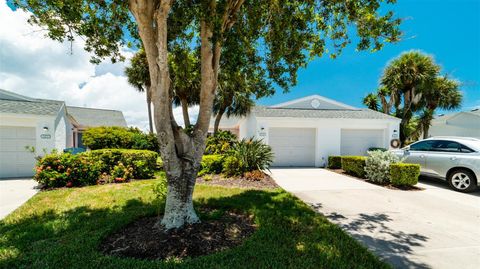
122, 173
211, 164
252, 154
377, 165
255, 175
207, 177
334, 162
160, 191
404, 174
354, 165
232, 166
220, 143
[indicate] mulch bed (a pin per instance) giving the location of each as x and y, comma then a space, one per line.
266, 183
140, 240
388, 186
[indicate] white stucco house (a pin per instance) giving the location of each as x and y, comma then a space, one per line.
464, 123
305, 131
45, 125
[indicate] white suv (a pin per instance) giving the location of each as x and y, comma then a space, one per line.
455, 159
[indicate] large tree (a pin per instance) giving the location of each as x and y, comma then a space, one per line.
286, 34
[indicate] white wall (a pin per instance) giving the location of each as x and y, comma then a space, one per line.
328, 131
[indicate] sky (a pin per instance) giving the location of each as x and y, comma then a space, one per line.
36, 66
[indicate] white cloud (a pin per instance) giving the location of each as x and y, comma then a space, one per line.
34, 65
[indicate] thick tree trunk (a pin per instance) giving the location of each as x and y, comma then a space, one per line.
186, 117
149, 108
217, 120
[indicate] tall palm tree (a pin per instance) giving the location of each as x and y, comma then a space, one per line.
409, 76
445, 94
371, 101
139, 77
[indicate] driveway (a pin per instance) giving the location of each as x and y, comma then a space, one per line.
13, 193
431, 228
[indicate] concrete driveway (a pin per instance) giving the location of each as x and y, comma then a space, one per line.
431, 228
15, 192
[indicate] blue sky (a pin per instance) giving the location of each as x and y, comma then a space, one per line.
447, 29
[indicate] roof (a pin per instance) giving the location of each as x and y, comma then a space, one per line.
15, 103
92, 117
262, 111
473, 112
309, 102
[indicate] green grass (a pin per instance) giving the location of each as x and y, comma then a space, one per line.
63, 229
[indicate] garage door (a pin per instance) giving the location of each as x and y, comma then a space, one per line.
357, 142
293, 146
15, 160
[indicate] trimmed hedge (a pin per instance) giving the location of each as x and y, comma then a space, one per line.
93, 167
119, 138
354, 165
211, 164
334, 162
143, 162
404, 174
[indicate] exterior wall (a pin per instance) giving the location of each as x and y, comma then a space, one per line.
45, 138
328, 131
463, 124
63, 131
307, 104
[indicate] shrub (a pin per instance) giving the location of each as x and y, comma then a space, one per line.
377, 165
142, 162
119, 137
334, 162
354, 165
404, 174
211, 164
232, 166
255, 175
60, 170
252, 155
377, 149
220, 143
122, 173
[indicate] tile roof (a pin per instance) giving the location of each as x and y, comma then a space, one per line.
92, 117
37, 107
262, 111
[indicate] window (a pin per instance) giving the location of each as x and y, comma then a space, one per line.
446, 146
465, 149
423, 146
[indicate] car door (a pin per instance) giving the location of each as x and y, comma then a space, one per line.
444, 155
416, 153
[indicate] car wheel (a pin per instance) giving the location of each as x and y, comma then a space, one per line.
462, 180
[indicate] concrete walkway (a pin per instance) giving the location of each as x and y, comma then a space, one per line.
431, 228
13, 193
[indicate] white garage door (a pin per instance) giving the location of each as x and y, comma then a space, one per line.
293, 146
357, 142
15, 160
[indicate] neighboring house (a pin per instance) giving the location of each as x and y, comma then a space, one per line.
45, 125
305, 131
465, 123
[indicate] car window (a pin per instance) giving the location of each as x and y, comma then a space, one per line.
423, 146
446, 146
465, 149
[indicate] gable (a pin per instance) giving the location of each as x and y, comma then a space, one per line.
314, 102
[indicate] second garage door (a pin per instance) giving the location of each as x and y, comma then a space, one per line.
293, 146
357, 142
15, 160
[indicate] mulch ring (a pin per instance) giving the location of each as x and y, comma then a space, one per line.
140, 240
388, 186
266, 183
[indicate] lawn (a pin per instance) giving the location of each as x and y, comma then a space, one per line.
63, 229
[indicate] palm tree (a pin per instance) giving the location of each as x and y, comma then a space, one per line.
371, 101
444, 94
409, 76
139, 77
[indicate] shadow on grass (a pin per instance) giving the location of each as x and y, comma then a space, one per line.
289, 235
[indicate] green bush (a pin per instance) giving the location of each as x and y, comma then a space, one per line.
211, 164
377, 149
232, 166
119, 137
143, 162
377, 165
252, 155
220, 143
64, 169
334, 162
354, 165
404, 174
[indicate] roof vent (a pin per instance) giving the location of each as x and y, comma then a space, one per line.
475, 109
441, 115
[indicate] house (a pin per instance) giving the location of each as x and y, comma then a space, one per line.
305, 131
465, 123
44, 125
